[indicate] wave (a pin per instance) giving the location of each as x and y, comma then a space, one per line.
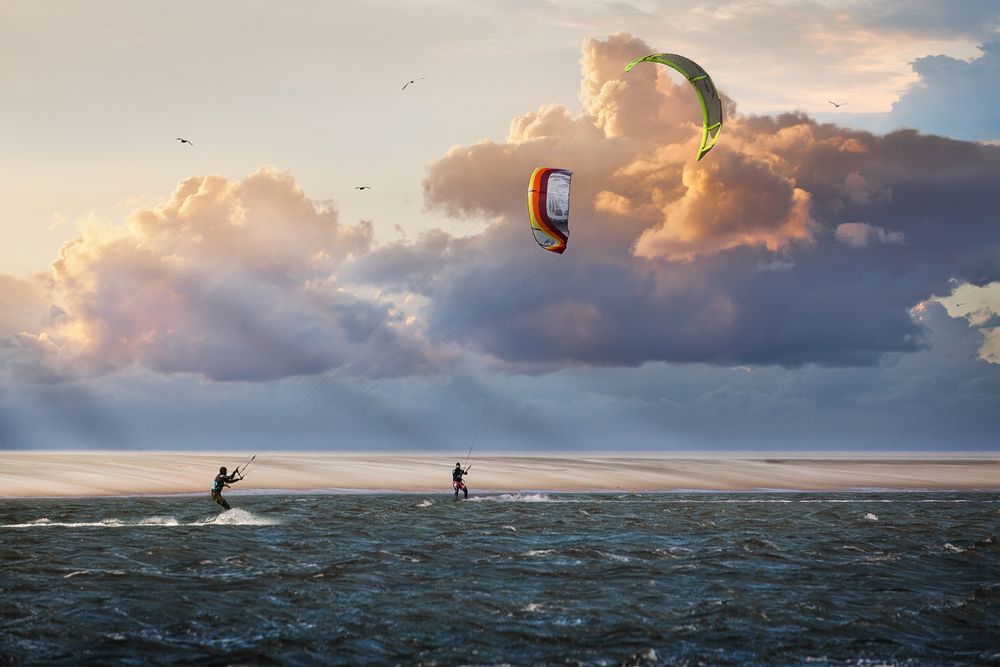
234, 517
99, 572
515, 498
105, 523
237, 517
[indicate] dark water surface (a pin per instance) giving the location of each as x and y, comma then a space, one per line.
678, 579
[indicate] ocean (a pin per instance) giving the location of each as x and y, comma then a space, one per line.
781, 578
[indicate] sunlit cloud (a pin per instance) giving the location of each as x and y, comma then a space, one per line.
980, 307
739, 258
233, 280
748, 257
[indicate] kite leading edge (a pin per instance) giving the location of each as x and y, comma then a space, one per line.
708, 96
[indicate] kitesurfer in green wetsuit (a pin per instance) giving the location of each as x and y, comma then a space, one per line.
456, 480
223, 480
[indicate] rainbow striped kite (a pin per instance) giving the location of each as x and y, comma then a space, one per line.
548, 207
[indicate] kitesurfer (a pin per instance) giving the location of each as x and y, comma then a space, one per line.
456, 479
222, 480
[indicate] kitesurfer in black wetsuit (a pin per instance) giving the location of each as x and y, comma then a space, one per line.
223, 480
456, 480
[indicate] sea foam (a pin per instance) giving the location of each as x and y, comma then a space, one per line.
514, 498
235, 517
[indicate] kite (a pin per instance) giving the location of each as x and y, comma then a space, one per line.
548, 207
708, 96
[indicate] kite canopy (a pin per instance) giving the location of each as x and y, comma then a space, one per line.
711, 104
548, 207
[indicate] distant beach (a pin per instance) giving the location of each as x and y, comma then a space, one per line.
81, 473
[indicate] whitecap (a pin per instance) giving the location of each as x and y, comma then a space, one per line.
871, 517
425, 503
672, 552
403, 557
539, 552
104, 523
76, 574
107, 523
514, 498
511, 528
641, 658
952, 548
159, 521
616, 557
237, 517
881, 558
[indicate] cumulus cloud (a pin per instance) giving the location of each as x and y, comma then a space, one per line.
861, 191
730, 202
954, 97
979, 305
233, 280
748, 257
677, 260
22, 305
860, 234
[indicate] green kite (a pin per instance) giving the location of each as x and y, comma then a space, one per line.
708, 96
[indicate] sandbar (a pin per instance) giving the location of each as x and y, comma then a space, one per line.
123, 473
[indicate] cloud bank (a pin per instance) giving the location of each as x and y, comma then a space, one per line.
953, 97
750, 256
791, 243
233, 280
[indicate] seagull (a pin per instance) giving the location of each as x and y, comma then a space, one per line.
413, 81
184, 141
837, 105
362, 187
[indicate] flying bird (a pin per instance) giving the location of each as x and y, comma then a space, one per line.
837, 105
184, 141
362, 187
413, 81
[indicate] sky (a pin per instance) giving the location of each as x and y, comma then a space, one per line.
826, 278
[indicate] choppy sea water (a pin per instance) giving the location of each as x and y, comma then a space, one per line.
522, 579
